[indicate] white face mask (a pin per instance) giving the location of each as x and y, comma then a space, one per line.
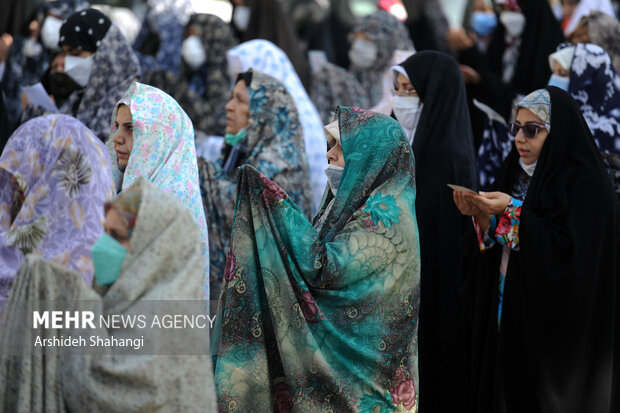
50, 32
529, 169
79, 68
363, 53
407, 111
513, 21
334, 175
193, 52
241, 17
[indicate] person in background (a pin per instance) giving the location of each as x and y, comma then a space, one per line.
203, 84
586, 72
101, 62
602, 30
575, 10
149, 254
54, 179
29, 55
263, 130
541, 275
373, 42
324, 316
152, 137
158, 43
263, 56
264, 19
431, 106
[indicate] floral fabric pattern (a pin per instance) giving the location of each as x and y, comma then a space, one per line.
315, 320
63, 171
507, 231
163, 153
265, 57
275, 147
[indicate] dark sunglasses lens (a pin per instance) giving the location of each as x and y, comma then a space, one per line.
530, 131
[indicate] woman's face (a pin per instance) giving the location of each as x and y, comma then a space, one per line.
238, 109
529, 148
123, 137
404, 86
335, 155
581, 34
116, 226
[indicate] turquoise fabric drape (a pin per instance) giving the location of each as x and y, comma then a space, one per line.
325, 320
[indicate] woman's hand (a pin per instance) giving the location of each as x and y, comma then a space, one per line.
492, 203
465, 205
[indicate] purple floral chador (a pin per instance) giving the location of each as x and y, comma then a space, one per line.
54, 179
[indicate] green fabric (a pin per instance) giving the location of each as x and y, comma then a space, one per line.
234, 138
325, 320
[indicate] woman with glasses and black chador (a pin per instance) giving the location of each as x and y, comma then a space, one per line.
430, 104
540, 294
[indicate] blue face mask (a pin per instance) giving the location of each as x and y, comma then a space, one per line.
483, 23
108, 257
234, 138
559, 81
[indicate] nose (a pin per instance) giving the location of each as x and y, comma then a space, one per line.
230, 106
331, 155
520, 136
118, 137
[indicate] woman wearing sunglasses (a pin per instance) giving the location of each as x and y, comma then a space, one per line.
540, 295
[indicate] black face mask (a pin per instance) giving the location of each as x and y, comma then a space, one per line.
61, 86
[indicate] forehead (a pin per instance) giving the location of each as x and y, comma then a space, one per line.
241, 88
402, 79
525, 115
123, 114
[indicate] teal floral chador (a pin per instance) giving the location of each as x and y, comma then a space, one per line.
325, 319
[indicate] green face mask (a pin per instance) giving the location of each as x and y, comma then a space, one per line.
108, 256
233, 139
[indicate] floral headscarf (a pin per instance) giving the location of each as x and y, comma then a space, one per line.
275, 147
163, 152
63, 171
604, 31
595, 86
389, 34
265, 57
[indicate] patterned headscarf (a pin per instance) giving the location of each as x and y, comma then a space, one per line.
539, 103
604, 31
85, 30
265, 57
595, 86
163, 152
115, 67
63, 170
389, 34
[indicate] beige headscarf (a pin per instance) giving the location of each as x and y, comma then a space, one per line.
163, 262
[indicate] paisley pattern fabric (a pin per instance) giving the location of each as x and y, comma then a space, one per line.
333, 86
163, 263
325, 320
389, 34
166, 19
63, 171
163, 152
265, 57
275, 147
202, 93
115, 67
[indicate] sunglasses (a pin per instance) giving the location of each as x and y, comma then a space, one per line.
530, 130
